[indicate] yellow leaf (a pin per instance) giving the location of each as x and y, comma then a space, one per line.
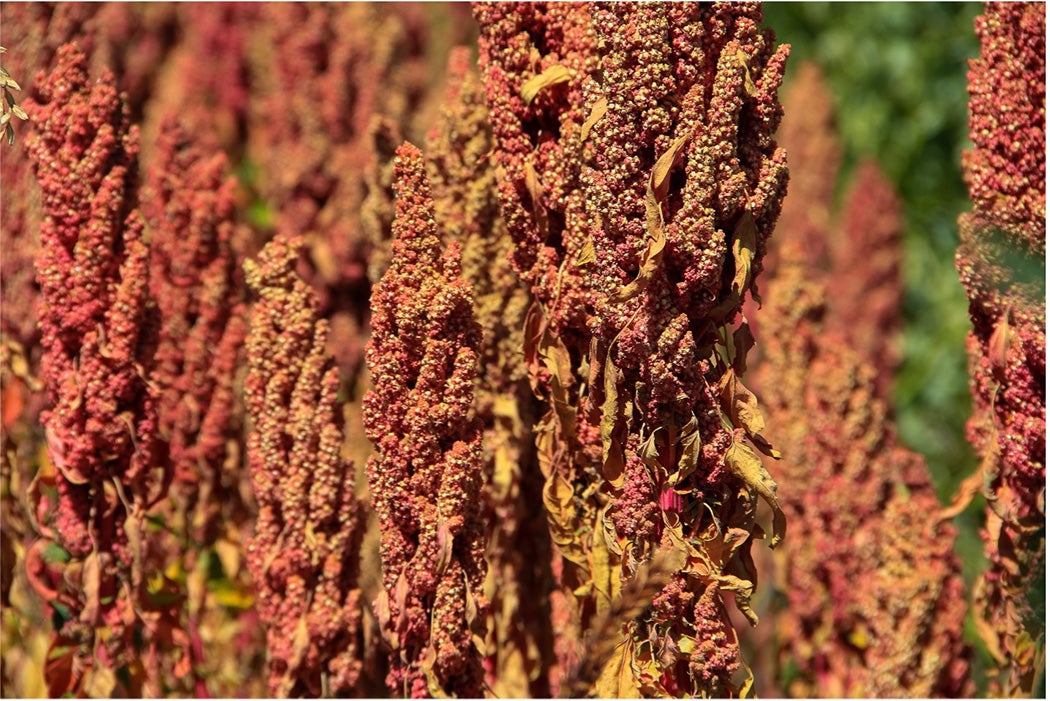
612, 458
745, 464
605, 576
234, 598
742, 590
745, 239
558, 498
656, 193
100, 682
616, 680
587, 254
660, 177
598, 110
689, 439
749, 83
552, 76
229, 555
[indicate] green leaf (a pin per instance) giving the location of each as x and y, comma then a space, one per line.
55, 553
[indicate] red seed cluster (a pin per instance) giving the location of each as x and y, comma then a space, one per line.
642, 178
303, 555
92, 270
875, 594
189, 204
465, 181
426, 476
1001, 264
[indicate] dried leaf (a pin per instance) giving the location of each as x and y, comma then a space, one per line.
746, 465
617, 680
749, 83
745, 239
741, 404
91, 581
444, 544
743, 342
742, 591
558, 498
656, 193
660, 178
999, 346
100, 682
587, 254
598, 110
612, 453
605, 577
552, 76
689, 439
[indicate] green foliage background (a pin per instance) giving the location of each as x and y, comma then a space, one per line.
898, 74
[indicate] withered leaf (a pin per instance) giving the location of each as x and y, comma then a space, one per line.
617, 680
533, 185
745, 239
660, 177
91, 581
605, 577
746, 465
610, 406
655, 194
689, 439
100, 682
742, 404
743, 342
742, 590
561, 518
999, 346
552, 76
587, 254
749, 83
598, 110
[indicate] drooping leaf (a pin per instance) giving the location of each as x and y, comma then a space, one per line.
743, 342
689, 439
605, 577
655, 195
745, 239
612, 452
551, 76
617, 680
745, 464
741, 404
100, 682
91, 581
587, 254
749, 83
598, 110
742, 591
558, 498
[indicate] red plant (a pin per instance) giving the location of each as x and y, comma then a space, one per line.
426, 475
874, 592
636, 280
303, 555
1000, 262
101, 423
466, 207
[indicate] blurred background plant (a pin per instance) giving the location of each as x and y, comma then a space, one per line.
898, 76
